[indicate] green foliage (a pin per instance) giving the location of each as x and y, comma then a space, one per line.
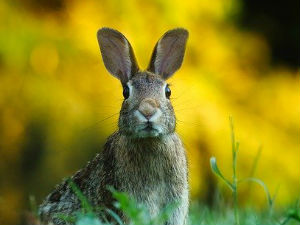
202, 215
86, 206
233, 185
33, 205
199, 215
138, 214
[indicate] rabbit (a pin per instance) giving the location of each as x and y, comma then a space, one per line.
145, 157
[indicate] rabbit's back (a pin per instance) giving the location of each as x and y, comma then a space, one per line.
92, 181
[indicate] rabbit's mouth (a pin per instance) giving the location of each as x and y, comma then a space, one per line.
149, 130
148, 127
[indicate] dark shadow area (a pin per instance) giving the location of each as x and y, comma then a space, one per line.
278, 22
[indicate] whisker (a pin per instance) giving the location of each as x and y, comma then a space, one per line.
190, 108
107, 106
189, 123
113, 125
182, 93
100, 121
183, 102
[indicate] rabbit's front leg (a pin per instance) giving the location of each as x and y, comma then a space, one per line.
180, 215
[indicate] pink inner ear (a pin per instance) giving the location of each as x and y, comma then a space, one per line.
168, 53
117, 54
120, 53
163, 63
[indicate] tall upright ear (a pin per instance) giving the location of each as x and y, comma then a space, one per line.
168, 53
117, 54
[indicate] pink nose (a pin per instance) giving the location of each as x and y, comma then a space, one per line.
148, 107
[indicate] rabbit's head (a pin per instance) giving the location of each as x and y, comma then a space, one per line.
146, 109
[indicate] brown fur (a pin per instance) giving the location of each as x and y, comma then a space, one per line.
145, 157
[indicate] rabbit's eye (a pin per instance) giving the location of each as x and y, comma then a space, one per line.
168, 92
126, 92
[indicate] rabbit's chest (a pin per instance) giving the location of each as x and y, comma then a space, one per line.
148, 186
152, 180
145, 174
154, 174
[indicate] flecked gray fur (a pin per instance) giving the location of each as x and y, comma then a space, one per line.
152, 170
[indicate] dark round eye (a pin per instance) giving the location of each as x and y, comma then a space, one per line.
126, 92
168, 91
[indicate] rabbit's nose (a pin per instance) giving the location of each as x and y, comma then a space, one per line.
148, 107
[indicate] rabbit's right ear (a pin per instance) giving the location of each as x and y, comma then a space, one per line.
168, 53
117, 54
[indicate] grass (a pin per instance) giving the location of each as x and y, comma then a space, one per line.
233, 185
222, 214
293, 215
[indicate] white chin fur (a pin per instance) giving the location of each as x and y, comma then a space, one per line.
140, 116
142, 133
156, 116
145, 134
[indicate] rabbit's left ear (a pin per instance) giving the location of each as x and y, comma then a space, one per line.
168, 53
117, 54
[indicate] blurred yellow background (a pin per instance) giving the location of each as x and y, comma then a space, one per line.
58, 104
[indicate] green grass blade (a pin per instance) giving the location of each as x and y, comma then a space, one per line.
86, 207
165, 213
232, 137
66, 218
115, 216
263, 185
88, 219
255, 161
215, 169
33, 206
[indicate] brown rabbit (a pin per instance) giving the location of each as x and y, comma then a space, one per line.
144, 157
